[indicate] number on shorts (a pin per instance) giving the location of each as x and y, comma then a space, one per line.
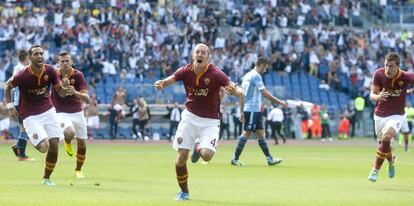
213, 142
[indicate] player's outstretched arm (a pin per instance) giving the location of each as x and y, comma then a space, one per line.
161, 84
273, 99
7, 95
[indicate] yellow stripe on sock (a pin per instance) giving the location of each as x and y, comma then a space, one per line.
182, 176
182, 181
50, 168
80, 156
50, 164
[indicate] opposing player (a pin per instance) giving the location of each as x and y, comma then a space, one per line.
203, 82
36, 108
69, 110
19, 148
252, 117
388, 89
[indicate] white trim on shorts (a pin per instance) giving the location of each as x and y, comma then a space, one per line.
192, 128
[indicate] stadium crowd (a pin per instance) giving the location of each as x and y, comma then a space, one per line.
139, 39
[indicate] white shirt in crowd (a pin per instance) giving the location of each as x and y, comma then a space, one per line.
175, 115
275, 115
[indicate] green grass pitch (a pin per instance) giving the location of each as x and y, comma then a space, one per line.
313, 173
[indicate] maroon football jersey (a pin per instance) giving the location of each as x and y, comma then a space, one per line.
203, 91
70, 104
397, 88
35, 90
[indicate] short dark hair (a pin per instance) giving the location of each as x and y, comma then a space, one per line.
64, 53
22, 54
393, 57
32, 47
262, 61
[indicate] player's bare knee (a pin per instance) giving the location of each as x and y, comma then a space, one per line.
43, 146
206, 154
69, 133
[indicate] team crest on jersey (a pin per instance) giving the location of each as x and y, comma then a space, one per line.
179, 140
207, 81
46, 77
72, 81
401, 83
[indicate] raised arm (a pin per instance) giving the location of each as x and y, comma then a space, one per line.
161, 84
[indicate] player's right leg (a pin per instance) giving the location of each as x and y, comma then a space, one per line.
386, 129
239, 148
65, 121
182, 174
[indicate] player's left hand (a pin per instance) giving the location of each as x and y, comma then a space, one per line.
284, 105
242, 118
65, 82
230, 89
70, 91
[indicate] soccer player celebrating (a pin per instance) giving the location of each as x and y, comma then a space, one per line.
388, 89
252, 117
69, 110
36, 108
203, 82
20, 147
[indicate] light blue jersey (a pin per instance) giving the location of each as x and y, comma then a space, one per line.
16, 94
252, 85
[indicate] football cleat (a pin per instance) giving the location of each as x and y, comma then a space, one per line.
182, 196
274, 161
68, 149
373, 175
391, 168
48, 182
15, 150
237, 163
79, 174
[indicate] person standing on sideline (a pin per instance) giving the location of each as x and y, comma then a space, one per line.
388, 89
252, 117
69, 110
19, 148
203, 83
276, 118
224, 122
36, 108
175, 118
135, 120
236, 114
